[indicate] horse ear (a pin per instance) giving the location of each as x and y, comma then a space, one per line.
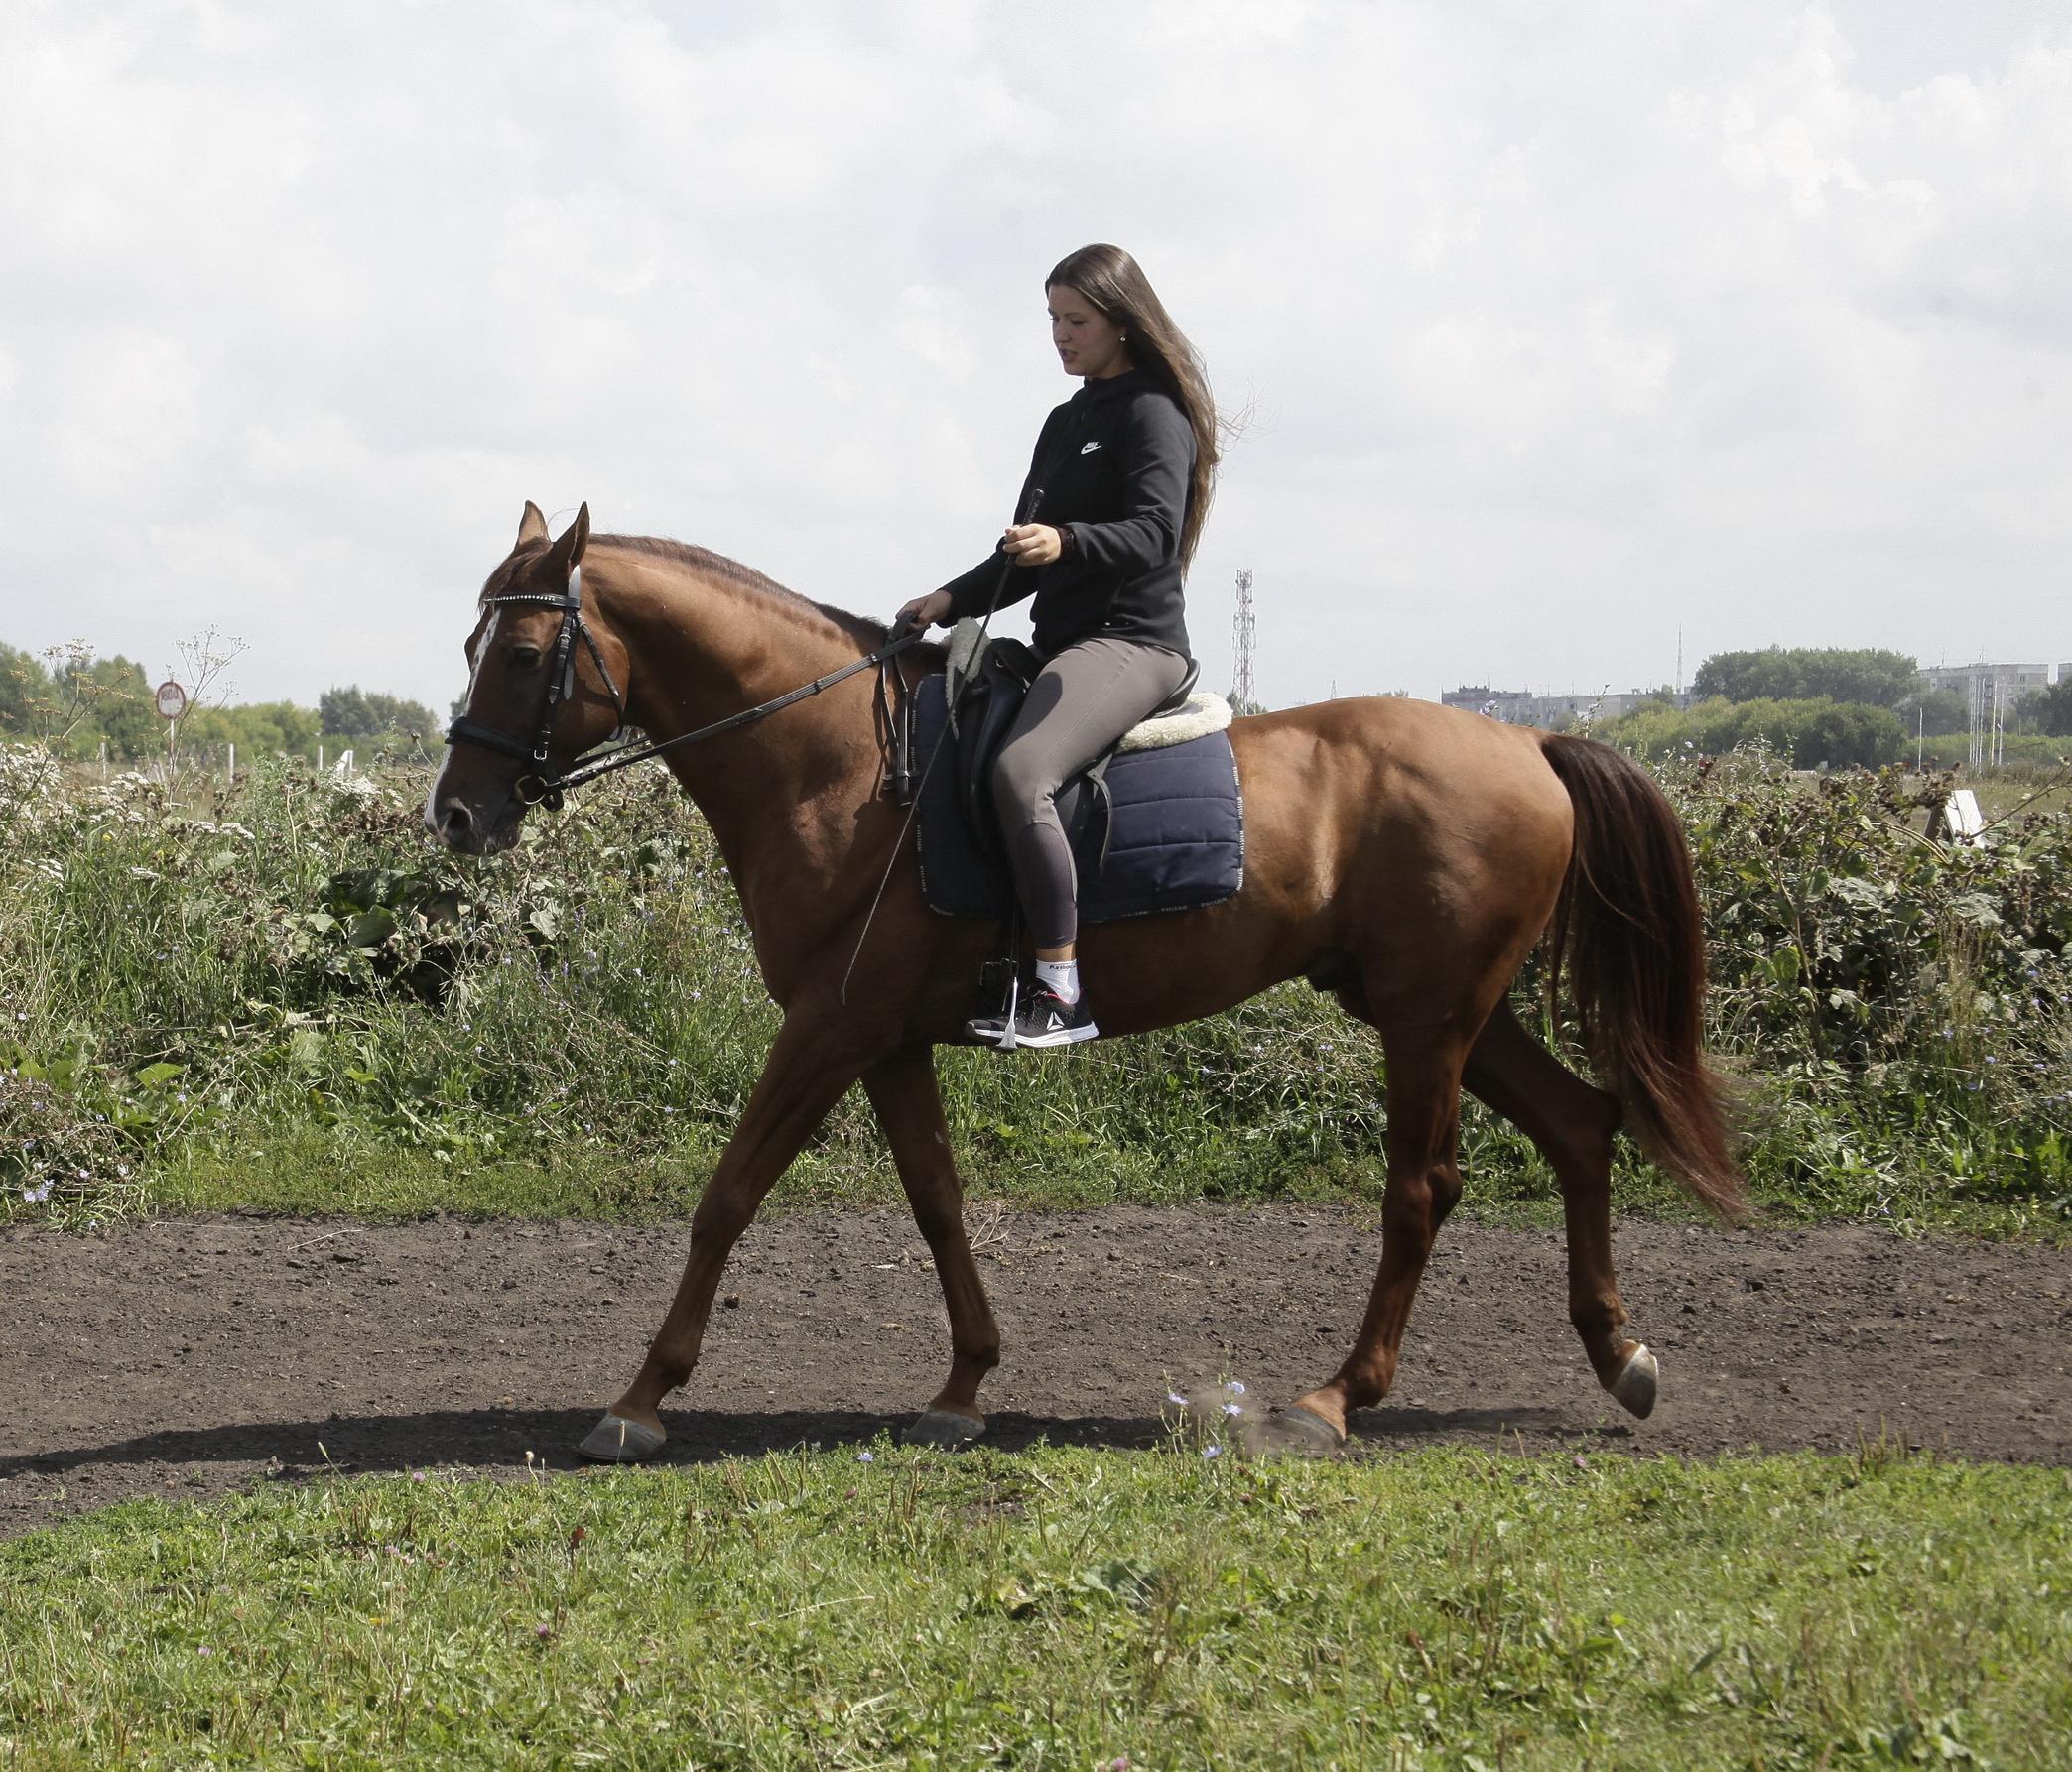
569, 550
532, 527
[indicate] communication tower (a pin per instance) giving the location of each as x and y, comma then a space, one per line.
1245, 629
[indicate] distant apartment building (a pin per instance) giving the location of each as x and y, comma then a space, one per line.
1990, 694
1982, 685
1517, 707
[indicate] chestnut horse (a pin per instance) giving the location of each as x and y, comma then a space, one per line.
1403, 856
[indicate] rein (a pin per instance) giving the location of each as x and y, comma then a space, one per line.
540, 789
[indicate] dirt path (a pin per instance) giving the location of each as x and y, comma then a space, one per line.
195, 1355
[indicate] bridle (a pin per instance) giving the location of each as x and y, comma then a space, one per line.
561, 686
537, 788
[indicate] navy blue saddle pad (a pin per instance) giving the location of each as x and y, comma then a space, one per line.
1177, 843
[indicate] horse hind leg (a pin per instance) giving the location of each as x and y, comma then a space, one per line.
1572, 1123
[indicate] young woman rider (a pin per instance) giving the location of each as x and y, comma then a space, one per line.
1127, 466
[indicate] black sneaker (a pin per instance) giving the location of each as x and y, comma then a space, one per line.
1043, 1018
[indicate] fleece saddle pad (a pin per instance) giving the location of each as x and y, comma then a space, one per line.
1176, 842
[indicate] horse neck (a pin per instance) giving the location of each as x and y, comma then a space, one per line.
702, 648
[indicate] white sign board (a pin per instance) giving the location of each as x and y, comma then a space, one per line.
1961, 816
172, 700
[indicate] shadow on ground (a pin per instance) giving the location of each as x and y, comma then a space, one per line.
355, 1444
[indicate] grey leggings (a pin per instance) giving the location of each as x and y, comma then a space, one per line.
1081, 703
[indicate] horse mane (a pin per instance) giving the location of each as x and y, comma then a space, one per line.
756, 586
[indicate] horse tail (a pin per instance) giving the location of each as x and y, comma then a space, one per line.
1629, 922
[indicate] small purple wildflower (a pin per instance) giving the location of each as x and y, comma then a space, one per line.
1212, 1451
866, 1459
1176, 1399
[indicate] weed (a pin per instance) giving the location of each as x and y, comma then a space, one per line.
284, 994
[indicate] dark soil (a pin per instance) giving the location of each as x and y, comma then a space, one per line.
195, 1355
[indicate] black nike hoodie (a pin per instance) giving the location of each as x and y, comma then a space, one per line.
1113, 463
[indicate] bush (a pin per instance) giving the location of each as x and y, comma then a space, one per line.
1815, 734
2021, 748
2052, 710
1933, 713
293, 962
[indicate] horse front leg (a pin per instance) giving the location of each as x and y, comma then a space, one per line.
1424, 1181
810, 1065
909, 1106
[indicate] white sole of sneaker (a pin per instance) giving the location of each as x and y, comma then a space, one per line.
1063, 1036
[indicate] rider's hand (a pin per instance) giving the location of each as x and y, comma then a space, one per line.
1032, 544
929, 611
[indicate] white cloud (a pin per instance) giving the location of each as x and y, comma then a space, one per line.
1560, 330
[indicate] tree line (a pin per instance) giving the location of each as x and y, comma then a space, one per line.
77, 702
1834, 707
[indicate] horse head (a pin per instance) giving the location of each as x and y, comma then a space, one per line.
536, 684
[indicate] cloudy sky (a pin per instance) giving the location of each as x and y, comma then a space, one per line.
1556, 329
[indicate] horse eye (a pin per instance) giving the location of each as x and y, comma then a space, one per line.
525, 657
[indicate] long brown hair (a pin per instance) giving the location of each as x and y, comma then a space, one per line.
1116, 284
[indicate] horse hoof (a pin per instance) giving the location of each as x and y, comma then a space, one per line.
1294, 1432
616, 1441
1637, 1383
942, 1428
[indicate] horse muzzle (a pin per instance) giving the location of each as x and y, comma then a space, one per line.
461, 828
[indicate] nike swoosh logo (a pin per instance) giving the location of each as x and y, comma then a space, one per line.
1089, 449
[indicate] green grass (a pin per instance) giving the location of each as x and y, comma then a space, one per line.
1064, 1608
309, 1171
304, 1171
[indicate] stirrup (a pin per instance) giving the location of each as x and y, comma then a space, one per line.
1043, 1019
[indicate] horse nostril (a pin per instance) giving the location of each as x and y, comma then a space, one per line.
455, 820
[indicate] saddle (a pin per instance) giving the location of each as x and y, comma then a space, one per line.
984, 687
1156, 825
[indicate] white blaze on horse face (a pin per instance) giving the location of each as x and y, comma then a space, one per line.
474, 667
474, 674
